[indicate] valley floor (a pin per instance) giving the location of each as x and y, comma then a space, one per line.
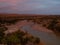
47, 36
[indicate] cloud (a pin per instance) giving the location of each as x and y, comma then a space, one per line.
30, 6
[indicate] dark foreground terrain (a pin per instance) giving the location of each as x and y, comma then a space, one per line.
51, 22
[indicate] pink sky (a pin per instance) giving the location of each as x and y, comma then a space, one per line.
30, 6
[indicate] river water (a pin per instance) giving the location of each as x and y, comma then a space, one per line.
45, 35
49, 38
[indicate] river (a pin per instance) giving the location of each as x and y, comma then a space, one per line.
45, 35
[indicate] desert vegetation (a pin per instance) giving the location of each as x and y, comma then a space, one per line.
17, 38
24, 38
51, 22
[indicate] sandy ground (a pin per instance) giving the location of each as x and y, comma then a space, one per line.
46, 36
19, 24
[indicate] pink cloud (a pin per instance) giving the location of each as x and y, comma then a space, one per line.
43, 6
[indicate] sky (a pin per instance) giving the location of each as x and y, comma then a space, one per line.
30, 6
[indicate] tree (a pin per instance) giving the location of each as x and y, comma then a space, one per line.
37, 40
1, 34
57, 28
2, 29
52, 24
12, 39
20, 37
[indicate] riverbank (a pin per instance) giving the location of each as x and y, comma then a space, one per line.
44, 34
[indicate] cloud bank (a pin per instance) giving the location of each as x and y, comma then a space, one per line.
30, 6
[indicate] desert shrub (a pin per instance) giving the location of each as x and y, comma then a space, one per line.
52, 24
57, 28
18, 38
2, 29
37, 40
44, 25
12, 39
2, 34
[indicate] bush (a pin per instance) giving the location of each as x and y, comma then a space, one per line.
18, 38
37, 40
2, 34
52, 24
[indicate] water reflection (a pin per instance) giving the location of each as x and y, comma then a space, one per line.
48, 38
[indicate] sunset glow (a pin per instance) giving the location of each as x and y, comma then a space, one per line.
30, 6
